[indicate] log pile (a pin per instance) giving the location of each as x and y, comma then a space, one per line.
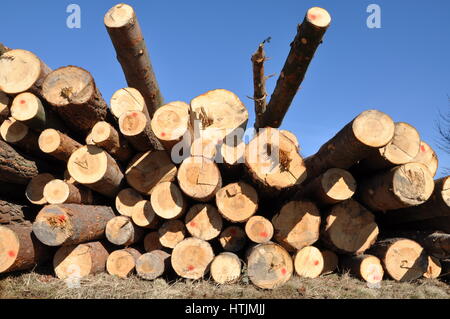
153, 189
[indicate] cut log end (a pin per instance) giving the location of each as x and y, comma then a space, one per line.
119, 16
144, 215
122, 262
171, 233
132, 123
428, 157
126, 201
171, 122
259, 229
49, 141
9, 248
152, 265
13, 131
203, 221
35, 188
199, 178
373, 128
191, 258
27, 106
237, 202
226, 268
338, 184
309, 262
120, 230
269, 266
318, 17
167, 200
434, 268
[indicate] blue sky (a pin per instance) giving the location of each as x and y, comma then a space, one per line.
195, 46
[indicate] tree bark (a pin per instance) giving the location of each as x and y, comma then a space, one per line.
79, 261
12, 213
3, 48
14, 168
402, 259
121, 231
269, 266
68, 224
122, 262
349, 228
72, 92
203, 221
146, 170
96, 169
20, 249
297, 225
126, 36
191, 258
22, 71
309, 35
370, 130
402, 186
259, 84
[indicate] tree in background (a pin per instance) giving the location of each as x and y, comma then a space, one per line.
443, 125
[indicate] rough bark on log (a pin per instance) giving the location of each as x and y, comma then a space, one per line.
57, 144
22, 71
218, 115
95, 168
191, 258
35, 188
365, 267
370, 130
121, 231
237, 202
14, 213
203, 221
148, 169
14, 168
403, 186
199, 178
297, 224
269, 266
259, 83
438, 205
273, 162
309, 35
331, 187
233, 238
402, 149
68, 224
168, 201
72, 92
434, 268
106, 136
20, 249
122, 262
226, 268
349, 228
259, 229
3, 48
79, 261
153, 264
57, 191
402, 259
126, 36
171, 233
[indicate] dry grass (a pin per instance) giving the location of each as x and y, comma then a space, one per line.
39, 285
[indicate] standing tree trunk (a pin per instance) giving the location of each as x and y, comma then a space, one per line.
331, 187
402, 259
370, 130
72, 92
20, 249
309, 36
14, 168
96, 169
57, 144
106, 136
402, 186
122, 262
68, 224
191, 258
121, 231
203, 221
79, 261
269, 266
349, 228
126, 36
21, 71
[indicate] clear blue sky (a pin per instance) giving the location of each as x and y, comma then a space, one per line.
402, 69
